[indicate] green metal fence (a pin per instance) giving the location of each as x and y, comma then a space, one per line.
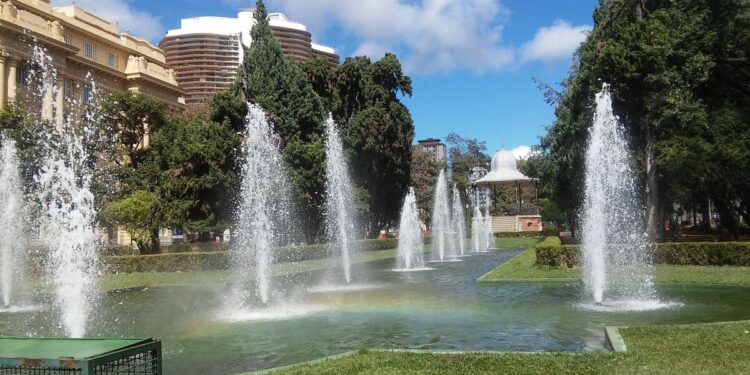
42, 356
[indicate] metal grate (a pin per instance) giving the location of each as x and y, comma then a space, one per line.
144, 363
22, 370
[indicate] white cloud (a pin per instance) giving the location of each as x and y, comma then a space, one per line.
521, 152
553, 43
429, 35
137, 23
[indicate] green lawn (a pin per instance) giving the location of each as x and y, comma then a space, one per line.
718, 348
515, 242
522, 268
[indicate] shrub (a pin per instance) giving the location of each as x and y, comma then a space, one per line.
551, 253
185, 260
551, 231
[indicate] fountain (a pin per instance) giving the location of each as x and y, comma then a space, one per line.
262, 215
489, 239
616, 254
459, 221
409, 255
339, 199
441, 221
11, 226
477, 228
66, 204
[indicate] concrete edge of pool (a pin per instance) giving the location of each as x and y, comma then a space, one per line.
611, 333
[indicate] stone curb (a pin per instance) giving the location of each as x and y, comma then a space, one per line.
614, 339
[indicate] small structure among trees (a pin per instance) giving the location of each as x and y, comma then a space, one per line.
510, 207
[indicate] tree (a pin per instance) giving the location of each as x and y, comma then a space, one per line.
137, 213
679, 86
465, 154
378, 130
281, 88
424, 175
192, 170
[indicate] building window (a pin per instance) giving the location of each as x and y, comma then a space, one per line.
67, 89
87, 93
68, 39
22, 75
112, 60
89, 51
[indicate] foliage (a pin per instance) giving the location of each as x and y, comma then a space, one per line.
679, 84
424, 175
465, 154
136, 213
378, 130
672, 253
192, 169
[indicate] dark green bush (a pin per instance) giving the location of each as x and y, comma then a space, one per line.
703, 253
206, 260
551, 231
675, 253
518, 234
195, 247
117, 250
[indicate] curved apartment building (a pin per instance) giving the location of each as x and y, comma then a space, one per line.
206, 51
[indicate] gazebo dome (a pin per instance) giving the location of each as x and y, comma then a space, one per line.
504, 171
504, 160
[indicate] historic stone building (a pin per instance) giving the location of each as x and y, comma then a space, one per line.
86, 51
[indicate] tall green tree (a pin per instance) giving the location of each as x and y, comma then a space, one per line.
378, 130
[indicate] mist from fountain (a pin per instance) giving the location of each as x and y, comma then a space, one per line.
616, 253
410, 252
66, 204
477, 228
339, 211
263, 215
441, 221
459, 221
12, 218
489, 239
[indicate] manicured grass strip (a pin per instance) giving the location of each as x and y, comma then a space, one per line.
515, 242
719, 348
523, 268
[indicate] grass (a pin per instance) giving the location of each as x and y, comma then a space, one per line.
515, 242
717, 348
523, 268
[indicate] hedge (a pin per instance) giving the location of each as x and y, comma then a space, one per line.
219, 260
674, 253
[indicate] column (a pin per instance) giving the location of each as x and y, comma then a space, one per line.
60, 101
12, 66
3, 83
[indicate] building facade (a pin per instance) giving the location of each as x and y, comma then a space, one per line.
206, 51
88, 55
435, 148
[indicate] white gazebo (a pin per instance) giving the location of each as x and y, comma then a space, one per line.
505, 173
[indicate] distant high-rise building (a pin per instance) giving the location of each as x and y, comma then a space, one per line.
434, 147
206, 51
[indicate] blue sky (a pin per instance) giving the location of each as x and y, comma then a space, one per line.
471, 61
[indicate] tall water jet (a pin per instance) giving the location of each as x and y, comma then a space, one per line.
616, 253
459, 221
12, 245
441, 219
477, 228
339, 199
410, 244
489, 239
262, 215
67, 210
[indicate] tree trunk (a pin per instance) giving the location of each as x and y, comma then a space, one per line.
653, 208
728, 218
705, 215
